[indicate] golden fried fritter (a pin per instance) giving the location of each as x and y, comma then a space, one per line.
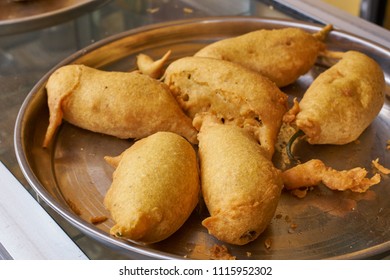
125, 105
240, 186
282, 55
155, 188
342, 101
235, 94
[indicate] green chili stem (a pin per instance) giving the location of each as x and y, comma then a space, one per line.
290, 142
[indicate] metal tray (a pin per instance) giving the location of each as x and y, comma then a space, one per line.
22, 16
72, 177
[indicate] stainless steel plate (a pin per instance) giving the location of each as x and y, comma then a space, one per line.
22, 16
72, 177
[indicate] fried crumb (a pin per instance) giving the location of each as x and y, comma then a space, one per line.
98, 219
220, 252
73, 207
300, 193
380, 167
248, 254
268, 243
292, 228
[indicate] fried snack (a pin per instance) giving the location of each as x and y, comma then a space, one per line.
282, 55
148, 66
125, 105
240, 185
342, 101
155, 188
314, 172
235, 94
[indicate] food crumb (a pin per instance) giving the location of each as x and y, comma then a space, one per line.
300, 193
388, 145
268, 243
73, 207
380, 167
98, 219
220, 252
292, 228
294, 225
248, 254
201, 251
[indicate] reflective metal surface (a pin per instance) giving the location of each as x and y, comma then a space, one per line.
21, 16
72, 177
325, 13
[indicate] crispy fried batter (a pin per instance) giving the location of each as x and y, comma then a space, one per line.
235, 94
380, 167
240, 186
125, 105
314, 172
282, 55
155, 188
291, 114
343, 101
148, 66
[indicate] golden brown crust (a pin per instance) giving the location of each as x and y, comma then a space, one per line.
342, 101
233, 93
282, 55
148, 66
155, 188
125, 105
314, 172
291, 114
98, 219
240, 186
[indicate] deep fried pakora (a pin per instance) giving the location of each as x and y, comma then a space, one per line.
155, 188
282, 55
341, 102
125, 105
235, 94
240, 185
